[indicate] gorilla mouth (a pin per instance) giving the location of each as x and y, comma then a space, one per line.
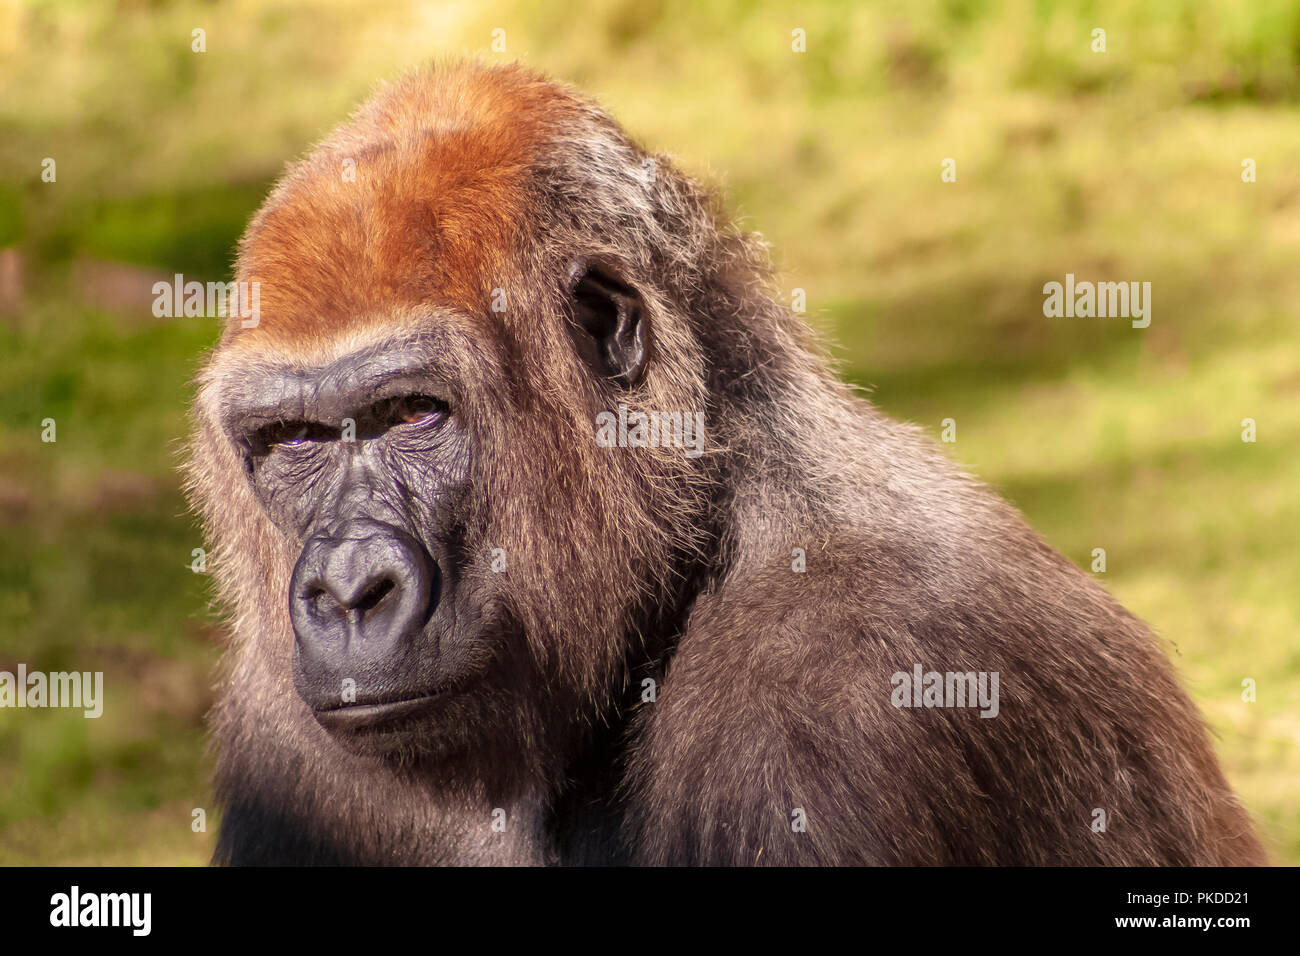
358, 718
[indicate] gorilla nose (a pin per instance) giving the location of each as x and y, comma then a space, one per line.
357, 598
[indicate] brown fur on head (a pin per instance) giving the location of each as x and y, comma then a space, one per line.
451, 213
463, 196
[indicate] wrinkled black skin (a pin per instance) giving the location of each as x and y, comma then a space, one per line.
397, 486
377, 596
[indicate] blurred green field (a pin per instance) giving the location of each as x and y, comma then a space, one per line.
1117, 165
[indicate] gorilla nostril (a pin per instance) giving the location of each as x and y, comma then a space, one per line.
323, 604
373, 595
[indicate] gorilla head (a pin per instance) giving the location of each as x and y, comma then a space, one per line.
440, 557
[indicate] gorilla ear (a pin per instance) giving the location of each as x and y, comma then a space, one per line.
606, 323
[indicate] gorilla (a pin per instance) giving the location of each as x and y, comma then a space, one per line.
548, 536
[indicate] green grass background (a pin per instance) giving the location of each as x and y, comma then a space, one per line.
1121, 165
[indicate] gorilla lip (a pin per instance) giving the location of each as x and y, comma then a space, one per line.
358, 717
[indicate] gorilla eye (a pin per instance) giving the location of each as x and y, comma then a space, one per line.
413, 409
290, 434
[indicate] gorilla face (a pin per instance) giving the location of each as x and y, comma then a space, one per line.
365, 463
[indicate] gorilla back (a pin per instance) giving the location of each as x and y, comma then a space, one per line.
496, 598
